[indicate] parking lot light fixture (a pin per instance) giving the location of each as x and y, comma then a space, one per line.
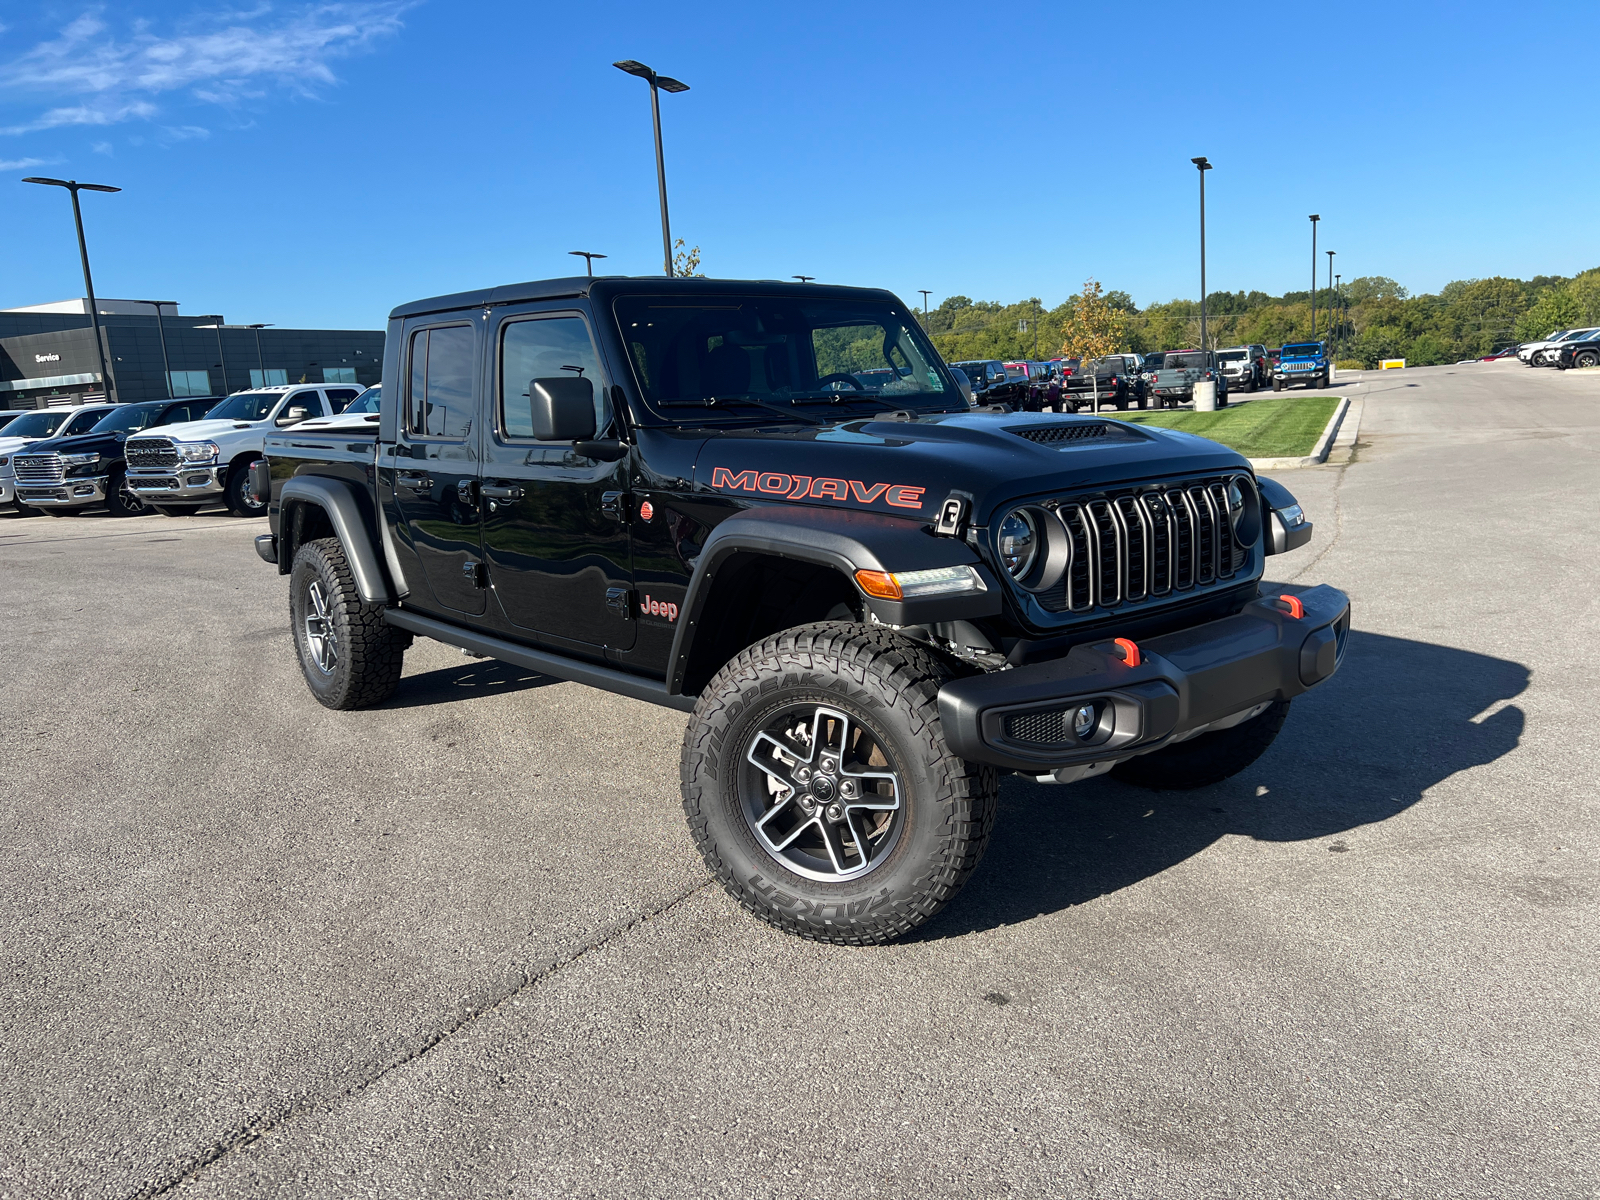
588, 257
803, 278
1203, 166
261, 367
658, 83
162, 330
223, 364
107, 381
1314, 219
926, 292
1330, 254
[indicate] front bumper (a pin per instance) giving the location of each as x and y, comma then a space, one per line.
8, 490
1185, 682
71, 492
196, 482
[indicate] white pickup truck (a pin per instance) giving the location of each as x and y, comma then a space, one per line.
185, 467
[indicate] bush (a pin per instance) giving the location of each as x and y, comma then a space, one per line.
1350, 364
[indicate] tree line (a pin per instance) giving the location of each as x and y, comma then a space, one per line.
1369, 319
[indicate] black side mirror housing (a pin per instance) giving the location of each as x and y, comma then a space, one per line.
563, 409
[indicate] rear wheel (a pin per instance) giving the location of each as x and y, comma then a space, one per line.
1586, 358
121, 500
821, 792
350, 656
22, 510
1207, 759
241, 496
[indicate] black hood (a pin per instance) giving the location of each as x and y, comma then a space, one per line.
107, 445
907, 467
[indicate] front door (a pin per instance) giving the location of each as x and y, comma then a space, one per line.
436, 464
555, 532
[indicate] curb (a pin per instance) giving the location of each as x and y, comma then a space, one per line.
1319, 452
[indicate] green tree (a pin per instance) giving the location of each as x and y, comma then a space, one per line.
1093, 327
1556, 308
686, 263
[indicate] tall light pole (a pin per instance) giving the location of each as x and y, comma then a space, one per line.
1330, 254
926, 292
588, 257
1314, 220
1203, 167
1338, 303
217, 317
261, 366
669, 84
162, 330
107, 380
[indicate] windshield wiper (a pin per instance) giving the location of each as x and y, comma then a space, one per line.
719, 401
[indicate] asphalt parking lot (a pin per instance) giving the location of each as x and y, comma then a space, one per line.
462, 945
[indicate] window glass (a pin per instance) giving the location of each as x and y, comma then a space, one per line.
441, 382
193, 383
37, 424
309, 401
338, 398
338, 374
84, 422
130, 418
547, 348
271, 377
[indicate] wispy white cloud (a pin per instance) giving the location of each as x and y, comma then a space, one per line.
102, 148
218, 58
21, 164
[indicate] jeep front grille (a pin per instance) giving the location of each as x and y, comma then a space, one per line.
1299, 366
151, 452
39, 468
1132, 546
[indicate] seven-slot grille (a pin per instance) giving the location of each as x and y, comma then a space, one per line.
1299, 366
151, 452
39, 468
1134, 546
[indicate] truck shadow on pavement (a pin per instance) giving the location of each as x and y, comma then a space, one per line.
478, 677
1398, 718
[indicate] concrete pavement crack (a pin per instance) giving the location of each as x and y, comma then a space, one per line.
1338, 519
279, 1115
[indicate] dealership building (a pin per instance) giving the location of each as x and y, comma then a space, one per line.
152, 352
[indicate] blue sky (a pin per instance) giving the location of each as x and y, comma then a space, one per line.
314, 165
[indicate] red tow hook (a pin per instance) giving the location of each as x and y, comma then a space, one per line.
1296, 609
1130, 652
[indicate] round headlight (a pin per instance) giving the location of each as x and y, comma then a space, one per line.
1019, 542
1235, 504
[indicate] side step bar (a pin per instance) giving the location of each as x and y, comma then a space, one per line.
607, 679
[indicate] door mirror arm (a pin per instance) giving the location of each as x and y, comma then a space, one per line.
604, 449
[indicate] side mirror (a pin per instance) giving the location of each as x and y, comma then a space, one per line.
292, 417
563, 409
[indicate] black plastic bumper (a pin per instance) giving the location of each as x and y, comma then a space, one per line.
1024, 719
267, 547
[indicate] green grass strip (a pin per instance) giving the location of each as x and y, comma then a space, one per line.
1280, 427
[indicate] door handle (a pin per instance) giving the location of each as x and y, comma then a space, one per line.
500, 492
414, 483
467, 491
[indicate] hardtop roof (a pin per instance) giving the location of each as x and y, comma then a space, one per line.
603, 287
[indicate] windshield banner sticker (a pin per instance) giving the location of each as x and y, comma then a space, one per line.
805, 487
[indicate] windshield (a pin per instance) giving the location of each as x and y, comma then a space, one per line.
246, 406
1152, 361
1303, 350
37, 424
1232, 355
780, 350
1577, 335
1193, 360
127, 419
367, 402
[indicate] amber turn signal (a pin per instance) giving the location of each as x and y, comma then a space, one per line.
879, 583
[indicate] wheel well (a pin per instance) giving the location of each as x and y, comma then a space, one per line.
754, 596
242, 460
298, 524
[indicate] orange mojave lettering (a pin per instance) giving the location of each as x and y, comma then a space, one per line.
802, 487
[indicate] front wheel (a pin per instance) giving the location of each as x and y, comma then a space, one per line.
1586, 358
1207, 759
1277, 385
241, 495
350, 656
820, 789
121, 500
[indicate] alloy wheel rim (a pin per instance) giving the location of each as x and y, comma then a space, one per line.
819, 793
131, 500
321, 639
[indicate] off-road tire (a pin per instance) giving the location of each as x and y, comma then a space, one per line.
368, 653
1207, 759
888, 683
121, 502
1277, 385
240, 501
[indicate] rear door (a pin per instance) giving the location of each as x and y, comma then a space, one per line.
436, 462
555, 532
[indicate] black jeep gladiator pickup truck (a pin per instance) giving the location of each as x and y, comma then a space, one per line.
872, 604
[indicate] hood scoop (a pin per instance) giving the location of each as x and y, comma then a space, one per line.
1070, 434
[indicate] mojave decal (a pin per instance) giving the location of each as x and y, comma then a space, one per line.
804, 487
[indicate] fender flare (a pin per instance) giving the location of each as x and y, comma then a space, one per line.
846, 540
349, 512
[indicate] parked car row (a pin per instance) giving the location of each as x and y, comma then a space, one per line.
168, 456
1563, 348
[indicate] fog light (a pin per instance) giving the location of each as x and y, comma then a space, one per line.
83, 491
1083, 722
196, 480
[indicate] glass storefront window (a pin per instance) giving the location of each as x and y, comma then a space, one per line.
271, 377
338, 374
191, 383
